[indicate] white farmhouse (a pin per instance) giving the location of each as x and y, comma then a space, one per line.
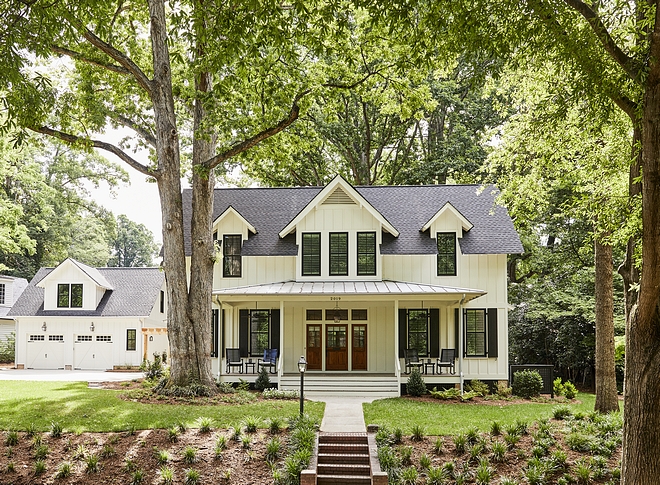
355, 278
78, 317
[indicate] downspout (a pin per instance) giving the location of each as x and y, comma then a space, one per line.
460, 342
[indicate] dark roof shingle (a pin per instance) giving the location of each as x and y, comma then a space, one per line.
136, 291
407, 208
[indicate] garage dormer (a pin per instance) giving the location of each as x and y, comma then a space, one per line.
73, 286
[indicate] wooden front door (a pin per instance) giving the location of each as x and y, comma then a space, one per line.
336, 347
314, 347
359, 349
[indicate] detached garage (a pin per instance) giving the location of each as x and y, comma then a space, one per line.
78, 317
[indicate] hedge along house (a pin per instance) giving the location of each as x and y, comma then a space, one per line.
352, 277
78, 317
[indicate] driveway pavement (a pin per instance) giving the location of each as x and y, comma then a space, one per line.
66, 375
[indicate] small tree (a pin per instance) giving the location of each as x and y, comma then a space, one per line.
416, 385
263, 380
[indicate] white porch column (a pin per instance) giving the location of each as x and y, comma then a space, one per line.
460, 342
280, 362
397, 364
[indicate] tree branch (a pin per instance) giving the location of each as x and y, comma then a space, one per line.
73, 140
113, 53
628, 106
213, 162
608, 43
79, 57
140, 130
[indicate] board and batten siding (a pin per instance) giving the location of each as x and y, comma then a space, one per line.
257, 270
70, 274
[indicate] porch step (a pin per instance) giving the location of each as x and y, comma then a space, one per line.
343, 385
343, 458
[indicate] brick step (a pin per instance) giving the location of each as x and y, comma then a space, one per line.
341, 469
344, 448
342, 480
361, 459
360, 438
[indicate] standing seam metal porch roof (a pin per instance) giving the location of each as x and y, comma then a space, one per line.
367, 288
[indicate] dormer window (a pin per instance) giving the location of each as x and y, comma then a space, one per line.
69, 295
366, 253
446, 253
311, 254
231, 255
338, 253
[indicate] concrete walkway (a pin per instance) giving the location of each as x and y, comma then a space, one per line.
66, 375
343, 414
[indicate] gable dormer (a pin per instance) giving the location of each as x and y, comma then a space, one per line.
73, 286
230, 230
338, 234
446, 226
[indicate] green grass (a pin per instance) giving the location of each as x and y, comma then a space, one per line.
80, 409
442, 418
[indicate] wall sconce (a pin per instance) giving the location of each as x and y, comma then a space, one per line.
44, 327
151, 338
91, 327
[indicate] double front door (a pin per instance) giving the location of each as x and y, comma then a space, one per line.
336, 347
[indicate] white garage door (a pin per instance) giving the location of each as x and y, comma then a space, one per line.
92, 352
45, 351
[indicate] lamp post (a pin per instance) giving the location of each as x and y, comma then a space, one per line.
302, 367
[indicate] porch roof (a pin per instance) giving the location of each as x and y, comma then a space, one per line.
384, 288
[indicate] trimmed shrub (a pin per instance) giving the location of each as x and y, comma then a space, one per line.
416, 385
478, 387
263, 380
570, 390
527, 383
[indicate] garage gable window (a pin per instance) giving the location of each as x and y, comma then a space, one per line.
131, 339
69, 295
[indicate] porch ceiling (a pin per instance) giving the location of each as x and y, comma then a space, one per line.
386, 289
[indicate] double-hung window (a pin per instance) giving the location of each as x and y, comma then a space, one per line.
259, 331
2, 293
418, 331
446, 253
338, 254
231, 255
69, 295
311, 254
366, 253
131, 339
475, 332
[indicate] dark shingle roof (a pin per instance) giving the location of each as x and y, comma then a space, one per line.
407, 208
136, 291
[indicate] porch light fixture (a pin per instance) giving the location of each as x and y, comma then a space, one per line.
302, 367
91, 327
43, 327
337, 315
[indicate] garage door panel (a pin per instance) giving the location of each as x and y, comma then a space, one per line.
45, 351
92, 352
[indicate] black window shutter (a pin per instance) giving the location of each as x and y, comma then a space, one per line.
274, 329
492, 332
456, 330
403, 332
214, 334
221, 349
244, 332
434, 332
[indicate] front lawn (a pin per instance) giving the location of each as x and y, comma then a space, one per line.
443, 418
80, 409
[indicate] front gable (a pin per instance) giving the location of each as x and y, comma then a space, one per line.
232, 222
71, 278
336, 197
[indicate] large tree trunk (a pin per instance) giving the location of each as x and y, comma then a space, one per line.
187, 317
641, 440
606, 394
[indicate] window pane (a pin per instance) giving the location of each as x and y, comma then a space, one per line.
338, 253
130, 339
366, 248
358, 314
231, 252
446, 253
418, 331
2, 293
63, 296
76, 296
259, 324
475, 332
311, 254
342, 312
314, 314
